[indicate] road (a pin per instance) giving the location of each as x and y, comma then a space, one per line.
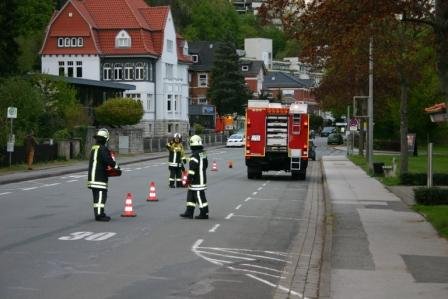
52, 248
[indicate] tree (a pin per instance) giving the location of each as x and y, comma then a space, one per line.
227, 89
8, 45
118, 112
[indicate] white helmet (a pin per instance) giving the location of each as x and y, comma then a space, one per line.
177, 135
103, 133
195, 140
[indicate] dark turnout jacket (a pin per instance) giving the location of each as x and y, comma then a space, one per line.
100, 159
197, 170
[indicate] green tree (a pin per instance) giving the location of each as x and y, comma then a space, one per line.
8, 32
227, 89
20, 93
117, 112
212, 21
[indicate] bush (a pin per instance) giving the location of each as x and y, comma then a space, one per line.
118, 112
419, 179
386, 145
431, 196
198, 129
62, 134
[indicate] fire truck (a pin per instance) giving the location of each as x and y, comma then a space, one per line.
277, 138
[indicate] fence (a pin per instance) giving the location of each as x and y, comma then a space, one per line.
42, 153
157, 144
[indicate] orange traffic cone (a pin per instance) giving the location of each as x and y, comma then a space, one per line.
128, 210
184, 178
230, 164
214, 166
152, 192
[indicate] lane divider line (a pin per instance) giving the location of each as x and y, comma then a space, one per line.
247, 199
71, 181
238, 207
4, 193
289, 291
229, 216
213, 229
260, 188
254, 193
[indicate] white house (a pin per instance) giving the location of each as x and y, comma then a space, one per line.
124, 41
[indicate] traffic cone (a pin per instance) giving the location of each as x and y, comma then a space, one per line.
152, 192
230, 164
128, 210
184, 178
214, 166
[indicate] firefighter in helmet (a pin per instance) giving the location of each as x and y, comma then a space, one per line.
197, 180
97, 178
176, 160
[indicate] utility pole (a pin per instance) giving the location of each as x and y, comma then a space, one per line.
370, 108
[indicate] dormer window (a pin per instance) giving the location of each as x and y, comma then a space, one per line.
122, 40
245, 68
169, 45
195, 58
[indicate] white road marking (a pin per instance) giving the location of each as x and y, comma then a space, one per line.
279, 218
260, 188
71, 181
50, 185
264, 198
138, 168
260, 267
238, 207
128, 170
346, 202
30, 188
226, 255
213, 261
256, 272
247, 199
213, 229
229, 216
254, 193
4, 193
264, 184
276, 286
237, 251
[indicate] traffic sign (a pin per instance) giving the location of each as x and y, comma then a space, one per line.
353, 124
12, 112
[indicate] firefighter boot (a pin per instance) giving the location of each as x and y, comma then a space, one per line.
188, 213
203, 214
102, 216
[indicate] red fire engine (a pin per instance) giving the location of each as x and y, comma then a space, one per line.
276, 138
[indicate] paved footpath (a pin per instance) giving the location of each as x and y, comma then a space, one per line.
379, 247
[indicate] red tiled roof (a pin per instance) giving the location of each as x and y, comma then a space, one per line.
99, 21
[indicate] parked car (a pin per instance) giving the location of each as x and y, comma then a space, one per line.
335, 138
236, 140
312, 151
327, 131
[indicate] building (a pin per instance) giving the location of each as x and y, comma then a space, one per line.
259, 49
124, 41
254, 72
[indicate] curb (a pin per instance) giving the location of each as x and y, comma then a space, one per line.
325, 271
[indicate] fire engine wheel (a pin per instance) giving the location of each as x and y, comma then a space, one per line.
253, 173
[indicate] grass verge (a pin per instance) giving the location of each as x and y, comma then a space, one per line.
437, 215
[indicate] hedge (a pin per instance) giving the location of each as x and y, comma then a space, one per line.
431, 196
419, 179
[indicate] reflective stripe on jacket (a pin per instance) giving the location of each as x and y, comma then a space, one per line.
177, 154
197, 170
100, 158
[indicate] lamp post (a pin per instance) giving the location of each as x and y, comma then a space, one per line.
370, 108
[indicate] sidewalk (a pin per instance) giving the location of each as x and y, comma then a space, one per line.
379, 247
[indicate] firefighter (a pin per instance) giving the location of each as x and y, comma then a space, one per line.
197, 180
176, 160
100, 160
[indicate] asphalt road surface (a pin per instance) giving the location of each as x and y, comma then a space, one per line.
50, 246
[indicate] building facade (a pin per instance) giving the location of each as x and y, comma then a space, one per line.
124, 41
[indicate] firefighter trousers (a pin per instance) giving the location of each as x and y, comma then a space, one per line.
197, 198
99, 201
175, 176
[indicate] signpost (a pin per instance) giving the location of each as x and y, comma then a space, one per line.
11, 114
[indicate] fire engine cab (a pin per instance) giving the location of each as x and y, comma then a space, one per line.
277, 138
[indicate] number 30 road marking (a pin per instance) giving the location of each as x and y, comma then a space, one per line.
89, 236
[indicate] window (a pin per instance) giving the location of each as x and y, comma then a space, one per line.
74, 42
202, 80
195, 58
107, 71
169, 102
70, 69
79, 69
122, 40
176, 126
61, 68
80, 42
60, 42
139, 71
202, 101
148, 101
67, 42
169, 70
170, 128
135, 96
245, 68
176, 100
128, 71
118, 71
169, 45
150, 72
